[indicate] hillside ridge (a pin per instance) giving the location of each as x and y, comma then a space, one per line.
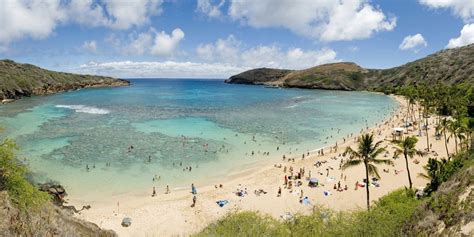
18, 80
448, 66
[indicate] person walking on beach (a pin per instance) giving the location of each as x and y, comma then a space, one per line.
193, 189
194, 201
279, 192
167, 189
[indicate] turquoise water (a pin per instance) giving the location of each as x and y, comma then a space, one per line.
172, 124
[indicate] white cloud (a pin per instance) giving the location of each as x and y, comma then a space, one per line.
328, 20
154, 43
413, 42
165, 45
141, 44
35, 19
129, 13
38, 18
212, 10
166, 69
462, 8
224, 50
466, 37
230, 50
90, 46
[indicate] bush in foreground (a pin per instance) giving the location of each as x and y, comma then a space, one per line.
12, 179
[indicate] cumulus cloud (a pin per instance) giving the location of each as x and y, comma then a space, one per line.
210, 8
166, 69
35, 19
466, 37
231, 50
326, 20
461, 8
413, 42
154, 43
165, 44
38, 19
90, 46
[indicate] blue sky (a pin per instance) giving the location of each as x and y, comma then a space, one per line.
218, 38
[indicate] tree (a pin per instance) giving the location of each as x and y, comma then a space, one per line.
366, 153
443, 127
407, 148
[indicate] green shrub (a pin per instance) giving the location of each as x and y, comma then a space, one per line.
386, 218
245, 224
12, 178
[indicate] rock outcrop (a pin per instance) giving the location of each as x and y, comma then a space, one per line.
49, 221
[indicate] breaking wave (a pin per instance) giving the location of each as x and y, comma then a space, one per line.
84, 109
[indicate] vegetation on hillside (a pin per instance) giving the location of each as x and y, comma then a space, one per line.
26, 211
13, 179
17, 80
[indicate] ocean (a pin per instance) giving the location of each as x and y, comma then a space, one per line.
83, 139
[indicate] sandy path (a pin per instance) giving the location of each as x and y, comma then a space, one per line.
171, 214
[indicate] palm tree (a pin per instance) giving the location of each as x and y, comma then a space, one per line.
455, 127
407, 148
443, 126
366, 153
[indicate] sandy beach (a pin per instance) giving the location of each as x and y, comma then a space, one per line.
172, 215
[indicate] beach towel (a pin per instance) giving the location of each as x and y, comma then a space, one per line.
222, 203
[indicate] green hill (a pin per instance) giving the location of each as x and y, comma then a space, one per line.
18, 80
450, 66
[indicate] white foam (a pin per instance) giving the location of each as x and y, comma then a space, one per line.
84, 109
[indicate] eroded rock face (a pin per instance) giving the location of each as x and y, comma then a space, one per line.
57, 191
48, 221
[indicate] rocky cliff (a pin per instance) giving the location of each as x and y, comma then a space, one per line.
450, 66
49, 221
18, 80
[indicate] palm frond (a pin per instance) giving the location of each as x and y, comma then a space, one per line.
350, 163
382, 161
373, 170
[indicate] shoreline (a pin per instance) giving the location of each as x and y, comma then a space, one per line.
171, 214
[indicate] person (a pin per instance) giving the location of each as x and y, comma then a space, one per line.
194, 201
154, 192
193, 189
167, 189
279, 192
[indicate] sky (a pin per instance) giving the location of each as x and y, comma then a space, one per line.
220, 38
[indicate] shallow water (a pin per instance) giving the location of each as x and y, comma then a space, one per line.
173, 124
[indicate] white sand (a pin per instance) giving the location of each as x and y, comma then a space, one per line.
172, 214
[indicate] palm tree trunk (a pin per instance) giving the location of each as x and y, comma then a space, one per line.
427, 137
446, 143
408, 171
456, 143
367, 185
